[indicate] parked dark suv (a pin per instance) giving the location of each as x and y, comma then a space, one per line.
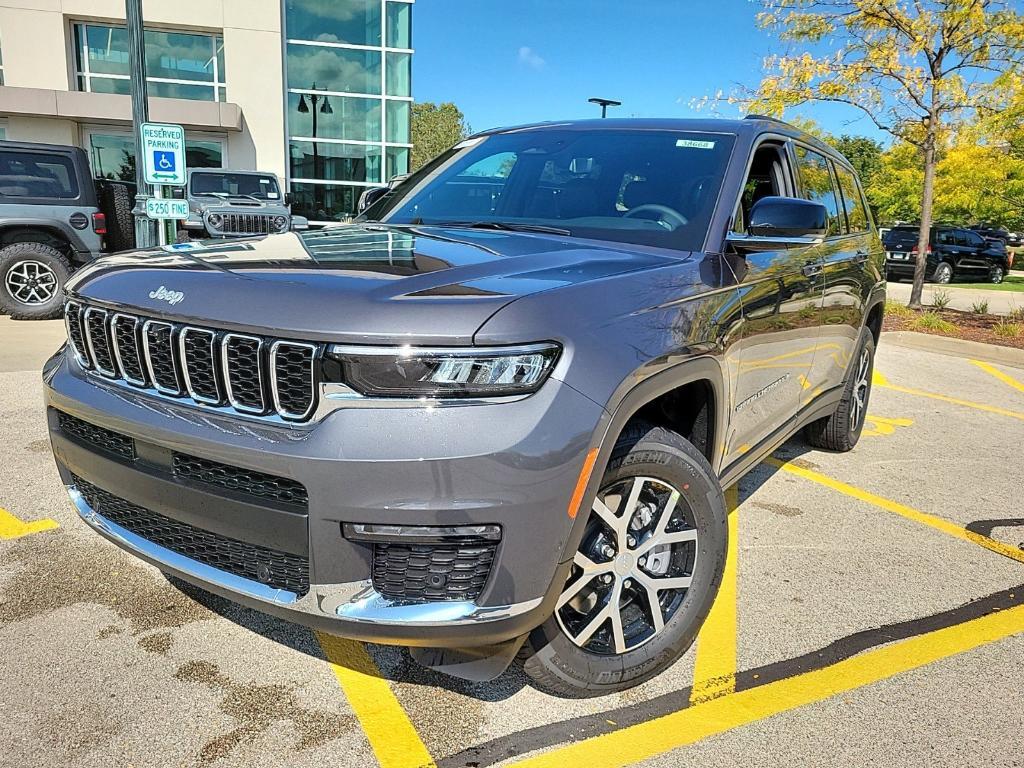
496, 412
954, 253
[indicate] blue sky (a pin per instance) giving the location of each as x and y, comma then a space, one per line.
515, 61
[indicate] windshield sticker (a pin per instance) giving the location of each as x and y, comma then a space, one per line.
695, 144
272, 195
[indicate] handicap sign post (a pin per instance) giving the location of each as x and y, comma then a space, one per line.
163, 160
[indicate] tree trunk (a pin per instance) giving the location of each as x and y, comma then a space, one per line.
927, 198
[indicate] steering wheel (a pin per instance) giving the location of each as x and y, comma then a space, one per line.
666, 216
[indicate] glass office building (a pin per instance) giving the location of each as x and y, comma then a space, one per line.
348, 70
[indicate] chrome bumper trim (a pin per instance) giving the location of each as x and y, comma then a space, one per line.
356, 602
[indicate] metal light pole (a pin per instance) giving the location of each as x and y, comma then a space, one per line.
145, 232
604, 104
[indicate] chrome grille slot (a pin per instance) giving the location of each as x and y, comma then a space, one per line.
124, 331
291, 378
97, 338
246, 224
243, 374
158, 347
76, 333
250, 375
197, 350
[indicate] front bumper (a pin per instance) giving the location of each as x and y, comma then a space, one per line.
512, 465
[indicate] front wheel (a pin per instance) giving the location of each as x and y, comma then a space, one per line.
32, 278
841, 431
644, 575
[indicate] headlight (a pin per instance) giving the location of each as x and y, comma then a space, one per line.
281, 223
445, 372
215, 220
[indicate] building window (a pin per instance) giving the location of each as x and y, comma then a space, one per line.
1, 68
348, 70
179, 65
112, 155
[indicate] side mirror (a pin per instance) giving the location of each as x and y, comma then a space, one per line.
371, 196
783, 222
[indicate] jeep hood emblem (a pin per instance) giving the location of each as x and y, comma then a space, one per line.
171, 297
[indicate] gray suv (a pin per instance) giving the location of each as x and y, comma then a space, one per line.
225, 204
494, 416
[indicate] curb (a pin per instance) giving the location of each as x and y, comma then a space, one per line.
943, 345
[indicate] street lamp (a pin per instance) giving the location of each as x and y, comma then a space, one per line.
604, 104
324, 109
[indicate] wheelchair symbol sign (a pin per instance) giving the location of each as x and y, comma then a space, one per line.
164, 153
164, 162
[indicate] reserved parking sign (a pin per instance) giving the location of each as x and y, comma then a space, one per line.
163, 153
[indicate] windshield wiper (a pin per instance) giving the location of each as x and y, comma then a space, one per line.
506, 226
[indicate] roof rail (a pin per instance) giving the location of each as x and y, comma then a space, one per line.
767, 117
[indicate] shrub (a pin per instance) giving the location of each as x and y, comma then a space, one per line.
1008, 330
980, 307
941, 299
1016, 316
932, 321
896, 309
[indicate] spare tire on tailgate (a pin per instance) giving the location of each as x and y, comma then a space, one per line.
117, 198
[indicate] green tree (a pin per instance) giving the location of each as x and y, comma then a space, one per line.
864, 154
435, 128
916, 68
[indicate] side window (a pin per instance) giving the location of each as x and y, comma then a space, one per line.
948, 237
816, 180
971, 239
853, 203
27, 174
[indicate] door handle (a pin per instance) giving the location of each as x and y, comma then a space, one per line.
813, 268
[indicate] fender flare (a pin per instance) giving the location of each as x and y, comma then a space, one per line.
59, 229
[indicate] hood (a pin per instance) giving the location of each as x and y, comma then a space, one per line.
355, 283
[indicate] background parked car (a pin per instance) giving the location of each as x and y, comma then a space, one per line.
226, 203
954, 253
54, 217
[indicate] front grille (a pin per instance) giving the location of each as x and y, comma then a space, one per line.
276, 569
245, 224
245, 481
432, 571
96, 437
206, 365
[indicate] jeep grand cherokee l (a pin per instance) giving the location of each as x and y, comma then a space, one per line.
495, 414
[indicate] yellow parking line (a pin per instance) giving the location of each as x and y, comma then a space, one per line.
917, 516
387, 727
12, 528
655, 737
714, 671
999, 375
880, 381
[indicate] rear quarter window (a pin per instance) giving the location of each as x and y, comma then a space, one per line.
853, 200
37, 175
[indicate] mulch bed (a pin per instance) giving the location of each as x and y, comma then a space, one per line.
969, 325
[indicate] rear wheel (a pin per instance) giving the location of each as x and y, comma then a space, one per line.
943, 273
645, 574
996, 275
32, 278
841, 431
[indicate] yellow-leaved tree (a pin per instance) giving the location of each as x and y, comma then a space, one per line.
917, 68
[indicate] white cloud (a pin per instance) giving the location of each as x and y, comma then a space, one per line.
531, 58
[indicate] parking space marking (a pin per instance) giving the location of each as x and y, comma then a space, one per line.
13, 528
888, 505
879, 380
714, 672
391, 734
687, 726
993, 371
883, 426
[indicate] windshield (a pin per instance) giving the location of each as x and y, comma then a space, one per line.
260, 186
649, 187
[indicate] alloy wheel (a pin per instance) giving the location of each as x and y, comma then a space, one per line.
996, 275
944, 273
31, 282
633, 567
861, 386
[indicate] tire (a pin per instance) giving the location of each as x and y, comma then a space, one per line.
182, 236
943, 273
996, 275
32, 279
599, 665
116, 201
841, 431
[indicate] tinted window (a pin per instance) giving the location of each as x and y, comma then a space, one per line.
646, 187
969, 239
251, 184
28, 174
817, 185
853, 201
901, 237
948, 237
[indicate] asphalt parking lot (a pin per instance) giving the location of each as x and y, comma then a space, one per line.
873, 615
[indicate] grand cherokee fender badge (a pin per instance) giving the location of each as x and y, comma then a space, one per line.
762, 392
171, 297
